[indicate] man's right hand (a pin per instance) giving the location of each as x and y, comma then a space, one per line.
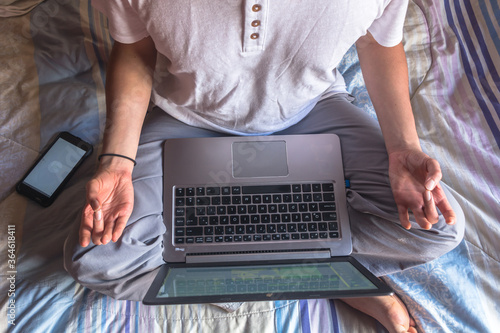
110, 200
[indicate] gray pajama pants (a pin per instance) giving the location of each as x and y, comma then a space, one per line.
125, 269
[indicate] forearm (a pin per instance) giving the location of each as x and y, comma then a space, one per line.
128, 91
386, 76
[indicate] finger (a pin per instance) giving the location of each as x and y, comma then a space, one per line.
108, 231
120, 224
97, 231
96, 206
404, 218
444, 206
430, 210
86, 226
433, 174
421, 219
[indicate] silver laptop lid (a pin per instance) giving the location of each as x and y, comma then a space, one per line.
245, 164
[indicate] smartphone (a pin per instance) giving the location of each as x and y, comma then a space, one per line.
47, 177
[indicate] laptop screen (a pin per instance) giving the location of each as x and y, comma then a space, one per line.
262, 281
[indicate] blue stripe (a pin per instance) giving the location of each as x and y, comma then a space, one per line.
279, 317
304, 316
104, 307
80, 328
136, 318
489, 23
127, 317
335, 319
468, 70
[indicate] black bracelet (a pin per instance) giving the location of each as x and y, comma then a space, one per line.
117, 155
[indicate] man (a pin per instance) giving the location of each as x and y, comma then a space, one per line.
264, 67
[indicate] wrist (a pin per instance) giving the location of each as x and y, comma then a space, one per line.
117, 155
117, 162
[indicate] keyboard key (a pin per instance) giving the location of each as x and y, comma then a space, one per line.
333, 226
261, 189
312, 227
330, 216
328, 187
213, 190
194, 231
329, 197
327, 206
271, 228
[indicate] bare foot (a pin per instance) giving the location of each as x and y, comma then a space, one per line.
388, 310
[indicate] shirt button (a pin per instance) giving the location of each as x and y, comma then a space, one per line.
254, 35
256, 8
256, 23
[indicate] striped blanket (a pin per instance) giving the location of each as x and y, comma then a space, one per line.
52, 69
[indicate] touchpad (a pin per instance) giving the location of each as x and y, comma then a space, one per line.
259, 159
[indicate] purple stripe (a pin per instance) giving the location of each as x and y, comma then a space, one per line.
335, 319
127, 317
304, 316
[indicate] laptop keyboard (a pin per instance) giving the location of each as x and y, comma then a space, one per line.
255, 213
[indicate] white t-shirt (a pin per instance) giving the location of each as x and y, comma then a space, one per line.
249, 67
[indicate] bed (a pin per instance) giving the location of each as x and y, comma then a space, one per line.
53, 55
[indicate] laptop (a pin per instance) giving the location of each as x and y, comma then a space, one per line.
257, 218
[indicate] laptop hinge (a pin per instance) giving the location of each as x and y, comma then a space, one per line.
256, 256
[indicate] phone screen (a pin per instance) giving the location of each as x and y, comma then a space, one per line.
54, 167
